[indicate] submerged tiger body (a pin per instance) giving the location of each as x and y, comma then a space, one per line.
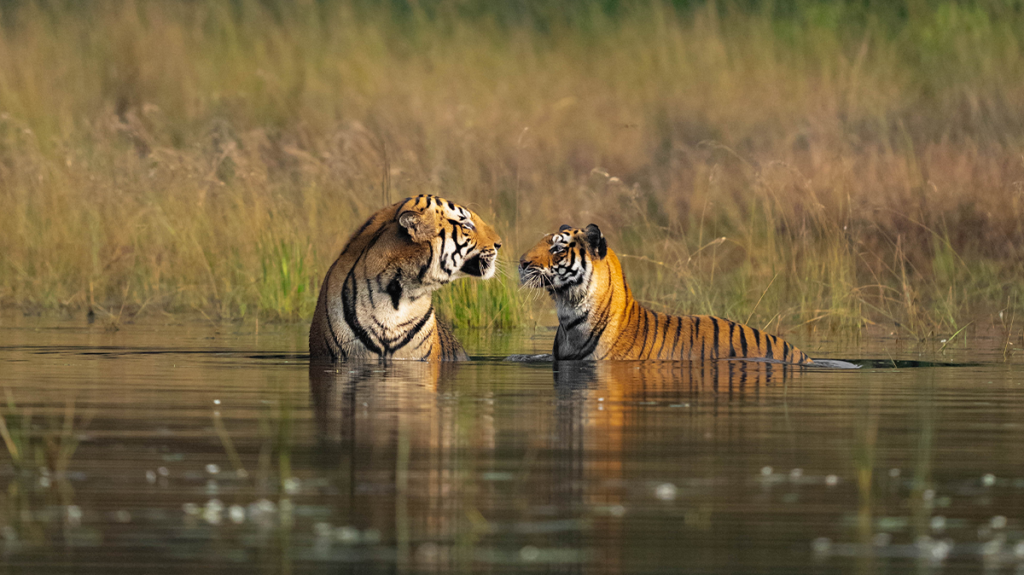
598, 318
375, 302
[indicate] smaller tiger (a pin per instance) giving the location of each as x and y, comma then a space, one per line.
599, 319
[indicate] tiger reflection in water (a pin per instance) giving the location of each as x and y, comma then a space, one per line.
421, 450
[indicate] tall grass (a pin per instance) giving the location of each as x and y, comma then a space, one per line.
862, 161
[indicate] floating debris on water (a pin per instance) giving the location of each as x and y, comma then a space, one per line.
163, 471
895, 472
236, 513
666, 492
347, 535
821, 546
150, 476
265, 506
190, 508
993, 547
938, 523
212, 468
831, 480
428, 552
795, 473
292, 485
933, 549
73, 515
212, 511
766, 470
529, 553
998, 522
323, 529
988, 480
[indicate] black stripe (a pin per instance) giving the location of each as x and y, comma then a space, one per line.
572, 324
714, 348
679, 330
785, 351
416, 329
394, 289
757, 338
605, 315
348, 298
664, 338
695, 332
743, 341
369, 290
348, 305
330, 328
597, 331
732, 332
768, 352
625, 324
643, 337
426, 266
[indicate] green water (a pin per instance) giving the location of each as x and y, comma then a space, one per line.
211, 448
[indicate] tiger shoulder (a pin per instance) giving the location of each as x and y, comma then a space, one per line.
598, 317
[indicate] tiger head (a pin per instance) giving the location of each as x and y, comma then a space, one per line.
459, 242
563, 262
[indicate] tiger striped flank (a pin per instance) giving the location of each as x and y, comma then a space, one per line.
600, 319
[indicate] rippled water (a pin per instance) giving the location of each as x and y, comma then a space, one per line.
210, 448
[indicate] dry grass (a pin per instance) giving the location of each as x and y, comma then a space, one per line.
214, 157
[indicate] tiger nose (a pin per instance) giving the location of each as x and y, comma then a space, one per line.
523, 263
497, 245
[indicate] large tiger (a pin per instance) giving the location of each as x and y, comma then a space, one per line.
599, 319
376, 299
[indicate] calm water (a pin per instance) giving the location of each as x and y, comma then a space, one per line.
208, 448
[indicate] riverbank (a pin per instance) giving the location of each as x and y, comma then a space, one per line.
829, 165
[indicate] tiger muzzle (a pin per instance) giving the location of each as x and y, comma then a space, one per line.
480, 265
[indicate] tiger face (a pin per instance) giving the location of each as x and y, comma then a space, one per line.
460, 243
562, 263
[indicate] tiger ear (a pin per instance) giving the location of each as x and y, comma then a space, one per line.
418, 226
564, 227
598, 246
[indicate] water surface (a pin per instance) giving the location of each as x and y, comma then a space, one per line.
211, 448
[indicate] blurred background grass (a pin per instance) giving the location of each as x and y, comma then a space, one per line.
824, 164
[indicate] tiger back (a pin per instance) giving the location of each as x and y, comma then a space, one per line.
598, 318
375, 301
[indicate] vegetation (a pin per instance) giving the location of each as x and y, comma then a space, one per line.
818, 163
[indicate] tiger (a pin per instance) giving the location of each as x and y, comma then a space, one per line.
375, 301
598, 318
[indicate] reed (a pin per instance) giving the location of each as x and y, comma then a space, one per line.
862, 161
